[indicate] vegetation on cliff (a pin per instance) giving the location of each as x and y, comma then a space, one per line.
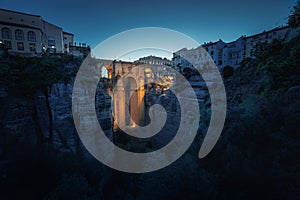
29, 74
257, 153
294, 18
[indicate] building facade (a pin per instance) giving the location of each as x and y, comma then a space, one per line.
154, 60
232, 53
29, 34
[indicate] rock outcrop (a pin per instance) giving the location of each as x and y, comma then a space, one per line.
40, 129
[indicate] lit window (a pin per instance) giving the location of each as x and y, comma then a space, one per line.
19, 34
148, 72
20, 46
51, 43
31, 36
6, 33
7, 44
32, 46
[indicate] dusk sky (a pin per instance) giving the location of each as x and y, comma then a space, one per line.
93, 21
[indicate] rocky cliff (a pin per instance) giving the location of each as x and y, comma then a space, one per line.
39, 142
256, 156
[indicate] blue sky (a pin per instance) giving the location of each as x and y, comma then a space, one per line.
92, 21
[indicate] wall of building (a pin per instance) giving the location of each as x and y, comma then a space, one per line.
67, 41
27, 24
29, 44
232, 53
53, 33
20, 18
47, 36
154, 60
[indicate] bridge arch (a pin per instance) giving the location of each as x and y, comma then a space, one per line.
106, 71
131, 100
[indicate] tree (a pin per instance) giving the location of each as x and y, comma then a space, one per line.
294, 18
227, 71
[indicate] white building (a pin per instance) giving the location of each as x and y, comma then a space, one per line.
68, 41
154, 60
29, 34
232, 53
215, 50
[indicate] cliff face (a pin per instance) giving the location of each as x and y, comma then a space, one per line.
256, 155
41, 118
39, 131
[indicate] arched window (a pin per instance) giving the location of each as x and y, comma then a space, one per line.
19, 34
104, 72
31, 36
6, 33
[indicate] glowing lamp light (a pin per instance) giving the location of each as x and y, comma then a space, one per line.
148, 75
148, 72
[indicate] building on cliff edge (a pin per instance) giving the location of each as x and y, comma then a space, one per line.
27, 34
232, 53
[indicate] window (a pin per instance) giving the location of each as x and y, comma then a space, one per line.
31, 36
7, 44
212, 53
51, 43
19, 34
20, 46
6, 33
66, 46
32, 46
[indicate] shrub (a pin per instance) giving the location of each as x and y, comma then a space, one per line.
227, 71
